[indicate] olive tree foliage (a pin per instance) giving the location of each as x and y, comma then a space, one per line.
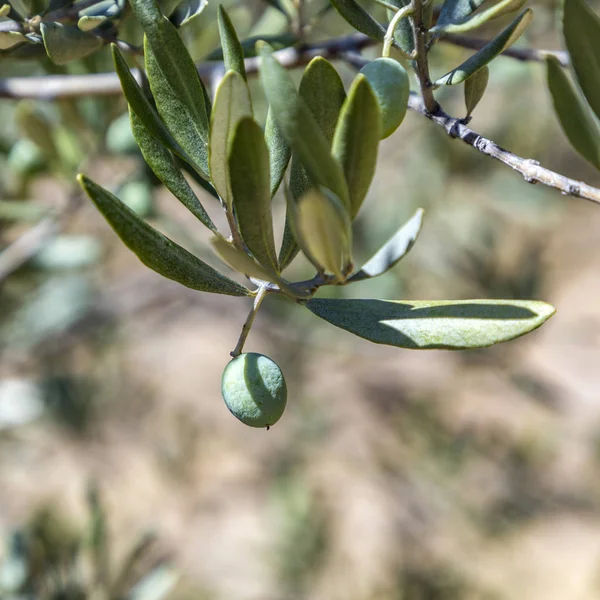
319, 143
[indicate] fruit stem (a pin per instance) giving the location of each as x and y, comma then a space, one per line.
388, 40
260, 296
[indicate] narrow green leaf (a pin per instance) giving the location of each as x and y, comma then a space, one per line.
359, 18
357, 139
186, 125
403, 36
324, 232
490, 51
65, 43
396, 248
493, 12
187, 11
582, 36
162, 163
250, 187
233, 54
156, 250
88, 23
475, 88
300, 128
577, 120
140, 104
232, 103
444, 325
279, 152
456, 11
322, 90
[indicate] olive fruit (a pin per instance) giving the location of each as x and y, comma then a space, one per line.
391, 86
254, 389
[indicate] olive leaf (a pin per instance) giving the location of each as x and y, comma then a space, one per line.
232, 103
396, 248
300, 128
65, 43
324, 232
187, 11
575, 116
490, 51
86, 23
233, 54
403, 34
322, 90
156, 250
276, 41
582, 36
444, 325
250, 187
475, 88
9, 39
162, 163
494, 11
359, 18
279, 152
356, 140
456, 11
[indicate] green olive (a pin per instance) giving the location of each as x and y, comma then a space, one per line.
254, 389
391, 86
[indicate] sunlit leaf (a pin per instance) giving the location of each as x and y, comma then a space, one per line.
445, 325
490, 51
250, 187
396, 248
324, 232
163, 165
233, 54
582, 36
494, 11
279, 152
88, 23
232, 103
475, 88
359, 18
575, 116
156, 250
65, 43
9, 39
356, 140
456, 11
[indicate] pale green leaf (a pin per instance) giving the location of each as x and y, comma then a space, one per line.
322, 90
575, 116
233, 54
9, 39
187, 11
250, 187
403, 35
359, 18
156, 250
444, 325
232, 103
475, 88
324, 232
86, 23
279, 152
582, 36
490, 51
162, 163
65, 43
396, 248
357, 139
481, 18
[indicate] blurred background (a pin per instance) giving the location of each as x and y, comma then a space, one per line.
394, 474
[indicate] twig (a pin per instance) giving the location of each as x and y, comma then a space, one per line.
530, 169
262, 292
420, 28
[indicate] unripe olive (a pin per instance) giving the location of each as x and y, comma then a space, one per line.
391, 86
254, 389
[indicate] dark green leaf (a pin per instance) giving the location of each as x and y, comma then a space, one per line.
232, 103
396, 248
279, 152
582, 35
156, 250
359, 18
65, 43
250, 187
576, 118
490, 51
324, 232
456, 11
444, 325
233, 55
163, 164
475, 87
494, 11
357, 139
187, 11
